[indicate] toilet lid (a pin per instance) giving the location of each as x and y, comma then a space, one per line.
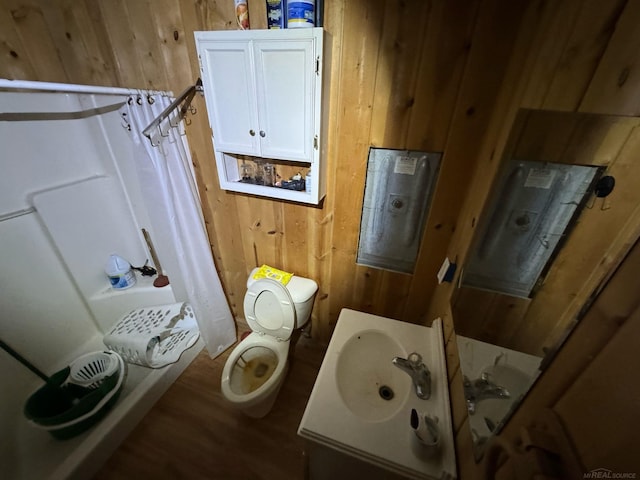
269, 309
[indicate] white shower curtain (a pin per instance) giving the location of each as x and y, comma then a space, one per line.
180, 238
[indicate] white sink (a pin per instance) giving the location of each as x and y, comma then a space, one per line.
369, 384
361, 403
492, 411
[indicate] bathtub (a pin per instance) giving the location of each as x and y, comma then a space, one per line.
69, 197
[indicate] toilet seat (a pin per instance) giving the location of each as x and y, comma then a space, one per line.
269, 309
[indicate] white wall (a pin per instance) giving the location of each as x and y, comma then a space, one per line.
55, 299
46, 316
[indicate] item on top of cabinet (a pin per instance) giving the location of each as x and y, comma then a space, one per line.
119, 272
301, 14
276, 14
242, 14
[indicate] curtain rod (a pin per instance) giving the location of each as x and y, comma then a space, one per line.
70, 88
183, 101
16, 214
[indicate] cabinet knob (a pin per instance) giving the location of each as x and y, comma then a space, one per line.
252, 132
262, 134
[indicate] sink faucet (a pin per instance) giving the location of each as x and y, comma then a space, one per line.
481, 389
418, 372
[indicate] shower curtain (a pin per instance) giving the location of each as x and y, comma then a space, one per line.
171, 197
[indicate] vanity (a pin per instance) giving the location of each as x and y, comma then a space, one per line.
359, 421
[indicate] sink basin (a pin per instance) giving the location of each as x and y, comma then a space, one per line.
360, 406
493, 411
369, 384
515, 371
514, 380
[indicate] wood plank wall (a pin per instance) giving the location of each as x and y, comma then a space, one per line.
534, 325
578, 58
597, 401
438, 75
407, 75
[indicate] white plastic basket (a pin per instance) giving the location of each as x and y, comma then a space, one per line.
154, 336
91, 369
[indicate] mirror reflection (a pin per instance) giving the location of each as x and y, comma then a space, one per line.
537, 257
532, 210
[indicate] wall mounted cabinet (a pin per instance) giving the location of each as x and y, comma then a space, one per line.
263, 90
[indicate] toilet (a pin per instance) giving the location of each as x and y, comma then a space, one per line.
256, 368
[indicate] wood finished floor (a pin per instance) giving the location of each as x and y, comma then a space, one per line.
191, 433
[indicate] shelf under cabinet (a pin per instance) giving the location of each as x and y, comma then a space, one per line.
230, 167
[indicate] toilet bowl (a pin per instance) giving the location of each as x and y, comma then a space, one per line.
257, 366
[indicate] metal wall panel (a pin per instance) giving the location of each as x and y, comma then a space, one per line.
396, 201
528, 216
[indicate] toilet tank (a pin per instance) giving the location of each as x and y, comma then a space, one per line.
302, 291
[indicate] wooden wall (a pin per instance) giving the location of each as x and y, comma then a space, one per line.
534, 325
573, 56
590, 385
441, 75
404, 74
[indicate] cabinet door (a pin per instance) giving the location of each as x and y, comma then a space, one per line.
285, 82
231, 97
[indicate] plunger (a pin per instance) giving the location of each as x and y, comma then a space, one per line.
162, 280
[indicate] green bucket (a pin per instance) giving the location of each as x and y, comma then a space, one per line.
68, 410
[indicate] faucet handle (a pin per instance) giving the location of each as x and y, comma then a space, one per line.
415, 359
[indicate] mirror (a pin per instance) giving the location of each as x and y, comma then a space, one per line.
536, 259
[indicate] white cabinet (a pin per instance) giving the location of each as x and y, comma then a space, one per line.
263, 90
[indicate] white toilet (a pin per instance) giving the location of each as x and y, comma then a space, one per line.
255, 369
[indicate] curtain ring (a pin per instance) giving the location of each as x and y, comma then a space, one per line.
139, 100
130, 101
150, 99
126, 125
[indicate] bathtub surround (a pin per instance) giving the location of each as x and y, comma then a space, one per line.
71, 195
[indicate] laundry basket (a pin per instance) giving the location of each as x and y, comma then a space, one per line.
154, 336
65, 408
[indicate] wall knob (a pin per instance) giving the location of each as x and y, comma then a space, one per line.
396, 203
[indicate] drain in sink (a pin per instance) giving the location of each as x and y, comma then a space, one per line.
385, 392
